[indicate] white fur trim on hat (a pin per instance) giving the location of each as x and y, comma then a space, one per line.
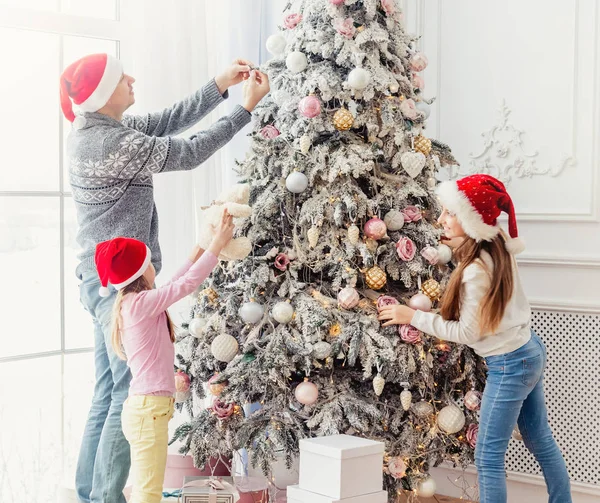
514, 246
104, 291
139, 273
107, 85
472, 223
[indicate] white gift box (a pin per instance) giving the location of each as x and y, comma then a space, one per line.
297, 495
341, 466
198, 490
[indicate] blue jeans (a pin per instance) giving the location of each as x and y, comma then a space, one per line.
514, 393
104, 459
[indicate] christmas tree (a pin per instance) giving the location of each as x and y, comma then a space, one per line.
342, 178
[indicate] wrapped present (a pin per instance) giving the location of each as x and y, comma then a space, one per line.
209, 490
179, 467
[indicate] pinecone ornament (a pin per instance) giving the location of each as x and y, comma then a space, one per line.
432, 289
305, 144
343, 119
210, 294
423, 145
406, 399
375, 278
353, 234
313, 236
378, 384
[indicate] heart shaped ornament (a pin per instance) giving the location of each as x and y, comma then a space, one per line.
413, 163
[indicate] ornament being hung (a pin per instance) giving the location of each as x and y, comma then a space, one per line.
359, 79
296, 62
397, 467
283, 312
353, 234
451, 419
472, 399
413, 163
375, 278
348, 298
276, 44
251, 312
378, 384
313, 236
305, 144
444, 253
427, 488
432, 289
224, 348
216, 388
375, 228
420, 302
296, 182
406, 399
196, 326
343, 119
394, 220
422, 409
306, 392
310, 106
423, 145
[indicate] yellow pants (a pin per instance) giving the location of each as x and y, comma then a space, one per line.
145, 422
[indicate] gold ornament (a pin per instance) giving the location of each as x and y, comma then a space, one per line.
343, 119
432, 289
353, 234
313, 236
335, 330
360, 29
378, 384
210, 294
375, 278
305, 144
423, 145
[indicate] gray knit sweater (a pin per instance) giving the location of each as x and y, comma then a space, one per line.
112, 165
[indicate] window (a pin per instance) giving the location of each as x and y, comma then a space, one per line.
46, 353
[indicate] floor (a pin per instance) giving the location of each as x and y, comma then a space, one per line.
435, 499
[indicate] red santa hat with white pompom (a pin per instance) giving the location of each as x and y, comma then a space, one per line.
477, 201
120, 262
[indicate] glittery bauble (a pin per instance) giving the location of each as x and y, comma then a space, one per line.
418, 62
432, 289
423, 145
413, 163
359, 78
310, 106
406, 399
343, 119
375, 278
353, 234
276, 44
182, 381
251, 312
444, 254
348, 298
296, 182
451, 419
322, 350
427, 488
472, 400
224, 348
335, 330
375, 228
216, 388
378, 384
394, 220
296, 62
221, 409
397, 467
196, 326
306, 392
422, 409
313, 236
283, 312
420, 302
305, 143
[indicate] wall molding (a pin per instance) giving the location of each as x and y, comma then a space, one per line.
559, 261
564, 306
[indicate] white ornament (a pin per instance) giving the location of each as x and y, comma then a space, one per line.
322, 350
424, 108
196, 326
394, 220
444, 254
378, 384
296, 62
359, 78
251, 312
353, 234
297, 182
305, 143
224, 348
406, 399
427, 488
313, 236
422, 409
348, 298
276, 44
283, 312
413, 163
306, 392
451, 419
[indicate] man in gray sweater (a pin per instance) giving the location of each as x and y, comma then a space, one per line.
113, 158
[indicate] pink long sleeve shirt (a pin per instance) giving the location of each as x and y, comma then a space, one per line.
146, 339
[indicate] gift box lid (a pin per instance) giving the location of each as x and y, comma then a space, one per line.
294, 493
193, 494
342, 446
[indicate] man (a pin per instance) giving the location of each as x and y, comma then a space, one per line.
113, 158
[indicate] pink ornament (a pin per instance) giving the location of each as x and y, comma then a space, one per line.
418, 62
409, 109
282, 261
418, 81
306, 392
389, 6
291, 21
216, 388
386, 300
345, 27
471, 434
405, 248
182, 381
430, 254
409, 334
472, 400
420, 302
269, 132
348, 298
411, 214
310, 106
397, 467
221, 409
336, 2
375, 229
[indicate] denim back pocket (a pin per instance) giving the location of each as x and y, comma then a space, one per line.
532, 370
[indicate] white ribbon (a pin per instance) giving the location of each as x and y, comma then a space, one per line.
214, 485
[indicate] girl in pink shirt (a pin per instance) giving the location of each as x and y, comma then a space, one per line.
143, 335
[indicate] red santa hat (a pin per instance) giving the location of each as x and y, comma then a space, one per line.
89, 83
120, 262
477, 201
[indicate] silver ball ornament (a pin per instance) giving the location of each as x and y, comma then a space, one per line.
296, 182
283, 312
196, 326
276, 44
296, 62
251, 312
